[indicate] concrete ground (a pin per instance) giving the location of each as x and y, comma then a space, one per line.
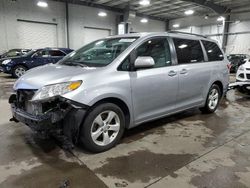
185, 150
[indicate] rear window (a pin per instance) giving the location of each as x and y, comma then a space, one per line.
188, 51
213, 51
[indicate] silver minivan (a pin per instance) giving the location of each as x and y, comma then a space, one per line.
116, 83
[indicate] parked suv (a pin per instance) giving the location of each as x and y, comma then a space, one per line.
243, 76
17, 66
143, 77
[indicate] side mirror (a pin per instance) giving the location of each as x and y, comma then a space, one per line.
144, 62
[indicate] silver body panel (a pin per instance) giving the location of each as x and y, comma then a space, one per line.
149, 94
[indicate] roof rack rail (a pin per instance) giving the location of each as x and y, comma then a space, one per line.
187, 33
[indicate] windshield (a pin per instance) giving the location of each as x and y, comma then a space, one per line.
12, 53
99, 53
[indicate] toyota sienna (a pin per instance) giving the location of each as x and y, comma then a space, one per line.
95, 93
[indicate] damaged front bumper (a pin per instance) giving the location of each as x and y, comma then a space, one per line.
37, 122
57, 115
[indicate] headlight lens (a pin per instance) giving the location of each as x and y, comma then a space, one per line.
241, 68
5, 62
56, 89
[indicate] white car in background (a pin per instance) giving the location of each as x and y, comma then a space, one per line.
243, 75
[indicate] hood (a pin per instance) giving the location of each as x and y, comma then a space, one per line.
247, 64
13, 58
50, 74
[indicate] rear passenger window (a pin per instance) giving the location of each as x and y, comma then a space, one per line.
213, 51
42, 53
188, 51
56, 53
158, 49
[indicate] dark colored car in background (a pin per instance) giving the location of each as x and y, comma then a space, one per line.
17, 66
236, 60
14, 53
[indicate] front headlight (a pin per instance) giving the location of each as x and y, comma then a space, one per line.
56, 90
5, 62
241, 68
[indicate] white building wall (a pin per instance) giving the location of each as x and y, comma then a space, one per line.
82, 16
151, 26
28, 10
237, 43
79, 17
3, 41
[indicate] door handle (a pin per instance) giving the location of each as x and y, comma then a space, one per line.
183, 71
172, 73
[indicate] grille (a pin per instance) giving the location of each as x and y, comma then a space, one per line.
248, 76
247, 69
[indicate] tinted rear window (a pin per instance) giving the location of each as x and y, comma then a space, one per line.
56, 53
188, 51
213, 51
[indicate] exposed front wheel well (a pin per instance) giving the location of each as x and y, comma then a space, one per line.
120, 104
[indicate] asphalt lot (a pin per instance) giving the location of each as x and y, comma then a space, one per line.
185, 150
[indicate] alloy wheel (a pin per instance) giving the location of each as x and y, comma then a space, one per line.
105, 128
19, 71
213, 99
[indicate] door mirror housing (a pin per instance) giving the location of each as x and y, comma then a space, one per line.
144, 62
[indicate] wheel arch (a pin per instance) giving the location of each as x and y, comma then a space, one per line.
120, 103
20, 64
220, 85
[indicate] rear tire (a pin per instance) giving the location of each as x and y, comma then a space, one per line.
18, 71
103, 127
213, 99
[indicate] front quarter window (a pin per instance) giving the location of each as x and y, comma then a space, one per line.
99, 53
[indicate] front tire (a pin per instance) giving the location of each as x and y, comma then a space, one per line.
18, 71
103, 127
213, 99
